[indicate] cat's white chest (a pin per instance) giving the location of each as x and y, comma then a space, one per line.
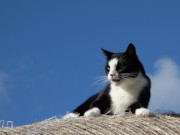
121, 100
123, 96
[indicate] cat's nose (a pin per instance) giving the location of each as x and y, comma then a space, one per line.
112, 75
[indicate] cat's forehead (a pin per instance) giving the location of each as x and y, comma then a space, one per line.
117, 58
113, 62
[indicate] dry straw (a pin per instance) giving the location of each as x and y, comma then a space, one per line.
103, 125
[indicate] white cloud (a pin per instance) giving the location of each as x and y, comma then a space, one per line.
165, 90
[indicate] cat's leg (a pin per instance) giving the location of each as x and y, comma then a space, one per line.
139, 110
70, 115
99, 106
93, 112
133, 107
80, 110
142, 112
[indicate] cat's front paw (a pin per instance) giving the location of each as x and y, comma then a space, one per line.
142, 112
92, 112
70, 115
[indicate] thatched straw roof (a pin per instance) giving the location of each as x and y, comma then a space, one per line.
103, 125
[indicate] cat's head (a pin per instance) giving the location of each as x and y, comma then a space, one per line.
122, 66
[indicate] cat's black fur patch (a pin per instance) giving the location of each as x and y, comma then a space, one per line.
128, 63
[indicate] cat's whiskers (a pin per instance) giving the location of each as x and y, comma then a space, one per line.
127, 76
129, 73
103, 83
100, 81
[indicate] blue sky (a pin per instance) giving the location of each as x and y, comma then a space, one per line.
50, 52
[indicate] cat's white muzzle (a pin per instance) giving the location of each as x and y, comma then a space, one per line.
113, 77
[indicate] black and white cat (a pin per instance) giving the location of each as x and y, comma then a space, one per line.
128, 90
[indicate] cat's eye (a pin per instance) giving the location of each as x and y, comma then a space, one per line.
108, 68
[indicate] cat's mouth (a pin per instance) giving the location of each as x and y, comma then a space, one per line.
116, 80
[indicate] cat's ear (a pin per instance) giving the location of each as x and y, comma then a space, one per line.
131, 50
107, 53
